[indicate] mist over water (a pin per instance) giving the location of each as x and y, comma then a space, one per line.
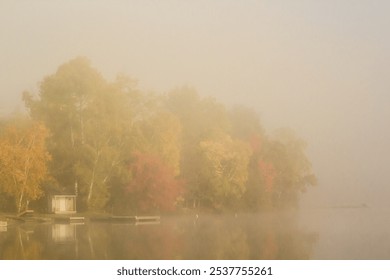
350, 233
357, 234
265, 236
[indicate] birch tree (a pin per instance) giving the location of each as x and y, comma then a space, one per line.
23, 162
88, 118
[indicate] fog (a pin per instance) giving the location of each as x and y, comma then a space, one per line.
318, 67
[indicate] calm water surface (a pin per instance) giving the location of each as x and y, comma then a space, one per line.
307, 234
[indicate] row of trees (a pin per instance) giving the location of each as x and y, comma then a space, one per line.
123, 150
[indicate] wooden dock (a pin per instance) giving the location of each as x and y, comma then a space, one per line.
69, 219
147, 219
28, 216
122, 219
135, 219
155, 222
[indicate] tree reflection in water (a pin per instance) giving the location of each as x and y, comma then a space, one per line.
18, 244
265, 236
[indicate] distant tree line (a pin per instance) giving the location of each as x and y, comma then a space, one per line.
125, 151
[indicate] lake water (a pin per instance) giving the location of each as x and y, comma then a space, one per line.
349, 233
360, 233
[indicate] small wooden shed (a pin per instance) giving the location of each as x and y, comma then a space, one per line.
62, 204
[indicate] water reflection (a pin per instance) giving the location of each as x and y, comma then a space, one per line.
18, 244
267, 236
63, 233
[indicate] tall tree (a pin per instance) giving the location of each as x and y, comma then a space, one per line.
202, 119
89, 124
159, 134
23, 161
245, 124
293, 169
223, 172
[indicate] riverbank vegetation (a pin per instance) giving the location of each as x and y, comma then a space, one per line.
122, 150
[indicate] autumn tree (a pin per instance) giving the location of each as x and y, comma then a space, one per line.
159, 134
293, 170
202, 119
23, 161
153, 187
223, 172
89, 123
246, 126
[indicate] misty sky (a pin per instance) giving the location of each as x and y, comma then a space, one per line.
319, 67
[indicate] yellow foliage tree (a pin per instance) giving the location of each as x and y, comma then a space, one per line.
23, 161
224, 168
159, 135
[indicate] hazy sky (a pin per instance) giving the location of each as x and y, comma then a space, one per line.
319, 67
